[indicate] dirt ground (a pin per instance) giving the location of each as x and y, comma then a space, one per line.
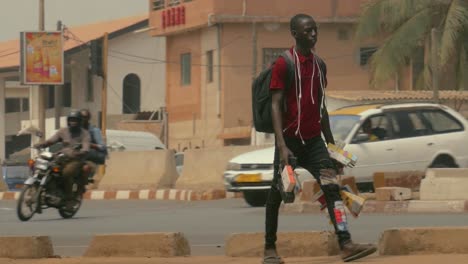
415, 259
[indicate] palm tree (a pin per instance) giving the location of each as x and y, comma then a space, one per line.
405, 26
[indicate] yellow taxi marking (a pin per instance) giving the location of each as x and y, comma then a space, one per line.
354, 110
249, 178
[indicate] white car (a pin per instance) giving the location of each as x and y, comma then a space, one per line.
409, 136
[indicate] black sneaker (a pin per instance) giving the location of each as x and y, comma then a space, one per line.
353, 251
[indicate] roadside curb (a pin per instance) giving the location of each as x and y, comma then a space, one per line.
164, 194
389, 207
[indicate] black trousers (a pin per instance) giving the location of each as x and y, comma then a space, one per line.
312, 156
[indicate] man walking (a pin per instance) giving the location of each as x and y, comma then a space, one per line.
300, 117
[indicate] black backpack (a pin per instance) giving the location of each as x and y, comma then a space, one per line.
261, 96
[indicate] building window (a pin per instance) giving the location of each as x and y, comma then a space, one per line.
131, 94
25, 104
174, 2
158, 4
186, 65
12, 105
270, 55
89, 87
50, 96
343, 34
365, 54
66, 95
209, 66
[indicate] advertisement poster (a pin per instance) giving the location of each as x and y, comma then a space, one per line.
42, 58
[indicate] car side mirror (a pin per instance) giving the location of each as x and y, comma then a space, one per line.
361, 137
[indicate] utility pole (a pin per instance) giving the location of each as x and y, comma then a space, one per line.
435, 63
253, 138
58, 93
40, 96
105, 47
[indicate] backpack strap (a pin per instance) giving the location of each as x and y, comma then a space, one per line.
287, 55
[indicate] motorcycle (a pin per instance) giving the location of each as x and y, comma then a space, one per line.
44, 188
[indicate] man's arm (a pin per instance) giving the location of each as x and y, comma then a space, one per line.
52, 140
277, 112
85, 141
326, 130
99, 142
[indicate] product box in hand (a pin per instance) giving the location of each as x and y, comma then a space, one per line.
289, 185
344, 157
289, 178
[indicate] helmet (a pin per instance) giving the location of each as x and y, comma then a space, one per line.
74, 115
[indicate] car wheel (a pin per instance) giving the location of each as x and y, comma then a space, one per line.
256, 198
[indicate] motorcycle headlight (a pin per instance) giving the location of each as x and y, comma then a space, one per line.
233, 166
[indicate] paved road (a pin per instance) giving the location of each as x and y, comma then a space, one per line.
205, 223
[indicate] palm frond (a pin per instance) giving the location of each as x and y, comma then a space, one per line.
399, 46
462, 69
385, 16
369, 22
455, 23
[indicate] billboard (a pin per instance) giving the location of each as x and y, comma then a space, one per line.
42, 58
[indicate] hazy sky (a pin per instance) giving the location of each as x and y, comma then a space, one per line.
21, 15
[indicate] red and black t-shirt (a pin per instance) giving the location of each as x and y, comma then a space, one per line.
307, 96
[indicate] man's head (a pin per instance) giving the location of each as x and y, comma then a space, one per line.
367, 126
86, 116
304, 30
74, 121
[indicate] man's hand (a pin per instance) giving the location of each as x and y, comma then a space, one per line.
284, 154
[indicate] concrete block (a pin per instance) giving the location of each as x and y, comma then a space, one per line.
139, 245
428, 240
405, 179
29, 247
3, 186
290, 244
351, 182
309, 188
203, 168
139, 170
393, 194
445, 184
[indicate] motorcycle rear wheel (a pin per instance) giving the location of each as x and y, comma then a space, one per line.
28, 199
66, 214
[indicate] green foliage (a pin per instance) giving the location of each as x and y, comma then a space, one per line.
405, 26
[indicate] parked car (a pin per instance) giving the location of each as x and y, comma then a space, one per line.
399, 137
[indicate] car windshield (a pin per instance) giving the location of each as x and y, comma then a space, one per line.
341, 125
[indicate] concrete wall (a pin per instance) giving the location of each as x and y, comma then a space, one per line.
204, 168
151, 71
140, 169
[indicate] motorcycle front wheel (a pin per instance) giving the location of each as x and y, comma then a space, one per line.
28, 202
70, 213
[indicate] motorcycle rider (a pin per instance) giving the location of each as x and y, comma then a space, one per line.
98, 149
71, 136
